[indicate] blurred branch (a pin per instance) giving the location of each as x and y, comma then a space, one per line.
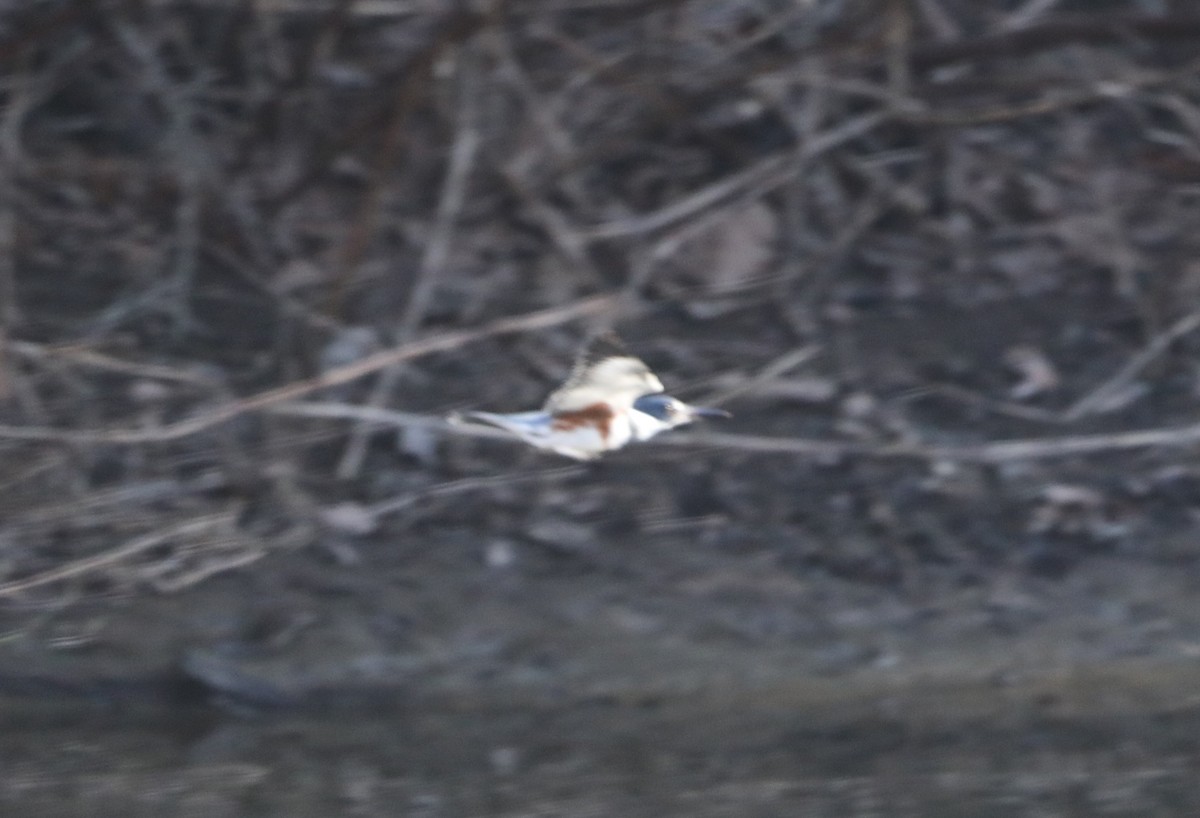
162, 536
540, 319
83, 356
756, 180
41, 25
999, 451
437, 250
780, 366
410, 79
1095, 399
1055, 33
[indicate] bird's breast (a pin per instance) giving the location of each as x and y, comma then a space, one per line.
598, 415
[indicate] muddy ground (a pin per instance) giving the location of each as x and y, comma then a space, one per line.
939, 262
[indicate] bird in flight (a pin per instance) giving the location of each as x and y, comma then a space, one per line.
611, 398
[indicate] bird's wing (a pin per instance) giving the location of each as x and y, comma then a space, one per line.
604, 371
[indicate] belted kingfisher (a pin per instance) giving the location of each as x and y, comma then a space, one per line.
610, 399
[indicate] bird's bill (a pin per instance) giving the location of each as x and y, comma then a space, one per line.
708, 412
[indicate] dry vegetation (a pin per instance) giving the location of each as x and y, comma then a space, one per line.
243, 243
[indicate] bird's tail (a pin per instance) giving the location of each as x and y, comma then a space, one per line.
522, 424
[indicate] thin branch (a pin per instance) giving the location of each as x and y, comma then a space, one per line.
189, 156
454, 190
775, 369
188, 528
1090, 402
539, 319
84, 356
760, 178
1056, 32
468, 484
1000, 451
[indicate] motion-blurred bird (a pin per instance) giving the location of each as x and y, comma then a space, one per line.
610, 399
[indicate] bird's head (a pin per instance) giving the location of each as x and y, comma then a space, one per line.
657, 413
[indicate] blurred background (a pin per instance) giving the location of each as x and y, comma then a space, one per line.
938, 257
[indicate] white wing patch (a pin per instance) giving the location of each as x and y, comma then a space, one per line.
581, 442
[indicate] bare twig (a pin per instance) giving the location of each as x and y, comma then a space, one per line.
989, 404
1000, 451
433, 262
10, 313
4, 376
468, 484
411, 79
192, 163
771, 168
85, 356
1090, 402
189, 528
1027, 13
751, 183
200, 560
10, 157
389, 9
540, 319
115, 503
898, 36
1055, 32
780, 366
